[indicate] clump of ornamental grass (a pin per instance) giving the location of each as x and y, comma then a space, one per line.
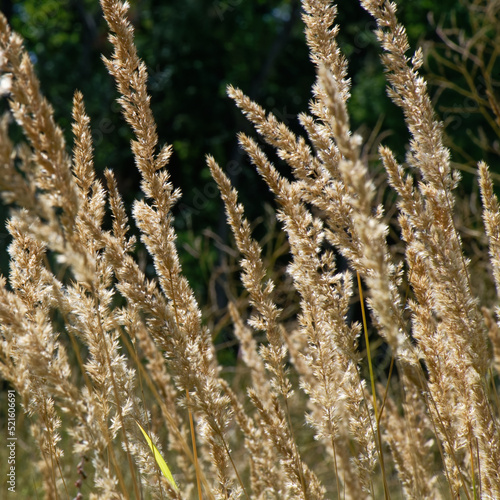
117, 372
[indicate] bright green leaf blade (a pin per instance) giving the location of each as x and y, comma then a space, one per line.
159, 460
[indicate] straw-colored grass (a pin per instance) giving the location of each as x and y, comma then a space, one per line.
92, 347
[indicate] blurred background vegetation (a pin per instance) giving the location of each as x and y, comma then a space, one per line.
194, 48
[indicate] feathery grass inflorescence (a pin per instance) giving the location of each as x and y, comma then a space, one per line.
119, 370
447, 321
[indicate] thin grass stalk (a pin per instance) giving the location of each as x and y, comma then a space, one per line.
374, 392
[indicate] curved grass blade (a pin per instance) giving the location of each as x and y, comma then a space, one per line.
159, 460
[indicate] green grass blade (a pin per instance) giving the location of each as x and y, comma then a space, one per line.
159, 460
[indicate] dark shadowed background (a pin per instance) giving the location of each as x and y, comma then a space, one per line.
194, 49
